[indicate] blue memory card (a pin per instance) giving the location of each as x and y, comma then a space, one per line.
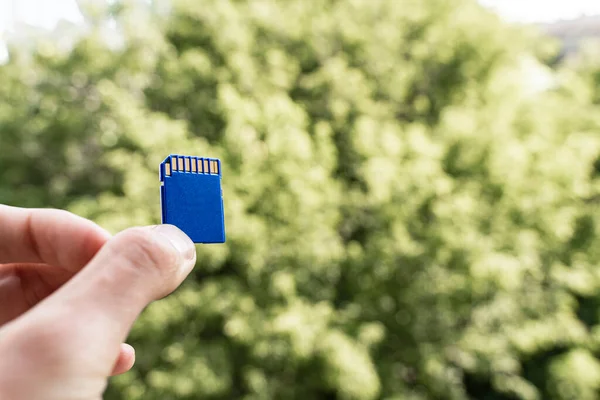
192, 198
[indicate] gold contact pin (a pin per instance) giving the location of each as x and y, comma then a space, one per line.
168, 169
193, 161
174, 164
206, 170
181, 163
213, 166
200, 169
187, 165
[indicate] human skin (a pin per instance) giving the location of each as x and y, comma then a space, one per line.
69, 295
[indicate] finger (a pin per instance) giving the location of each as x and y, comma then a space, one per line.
125, 360
75, 334
47, 236
100, 304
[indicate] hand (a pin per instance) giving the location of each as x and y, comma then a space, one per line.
69, 295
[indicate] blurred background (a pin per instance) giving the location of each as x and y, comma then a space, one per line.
411, 186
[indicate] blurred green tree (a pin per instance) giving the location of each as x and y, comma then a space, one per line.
408, 216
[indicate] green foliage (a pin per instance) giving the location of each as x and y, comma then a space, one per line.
406, 218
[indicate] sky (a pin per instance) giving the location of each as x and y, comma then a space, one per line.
543, 10
45, 13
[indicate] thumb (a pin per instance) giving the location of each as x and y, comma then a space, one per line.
131, 270
92, 314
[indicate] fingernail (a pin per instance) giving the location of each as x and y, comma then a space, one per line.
179, 240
